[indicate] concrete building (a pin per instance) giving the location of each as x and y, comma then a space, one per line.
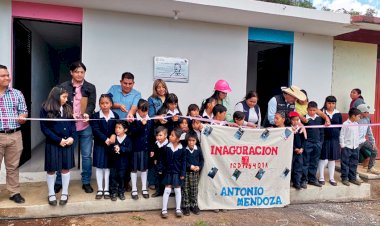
253, 45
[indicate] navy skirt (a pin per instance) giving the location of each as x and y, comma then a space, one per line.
140, 161
100, 157
330, 150
172, 179
58, 158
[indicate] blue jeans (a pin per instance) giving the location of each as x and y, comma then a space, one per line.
349, 163
85, 138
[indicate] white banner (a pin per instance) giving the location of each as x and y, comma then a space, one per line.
245, 168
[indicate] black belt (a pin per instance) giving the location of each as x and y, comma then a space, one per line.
10, 130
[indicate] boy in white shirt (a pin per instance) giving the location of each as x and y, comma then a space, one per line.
349, 142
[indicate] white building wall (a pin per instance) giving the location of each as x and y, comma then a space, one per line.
354, 67
5, 47
312, 65
5, 33
115, 42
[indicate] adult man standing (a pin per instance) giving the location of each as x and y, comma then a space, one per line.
12, 105
82, 97
283, 103
125, 99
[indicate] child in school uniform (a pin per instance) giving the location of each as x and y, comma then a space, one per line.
349, 142
142, 130
193, 110
120, 155
173, 166
59, 148
170, 109
239, 120
184, 126
238, 117
103, 129
158, 148
279, 119
298, 142
194, 164
313, 146
330, 148
207, 107
219, 115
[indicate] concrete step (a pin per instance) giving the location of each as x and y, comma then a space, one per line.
36, 205
363, 172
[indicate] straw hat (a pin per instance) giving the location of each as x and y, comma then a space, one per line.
295, 92
363, 108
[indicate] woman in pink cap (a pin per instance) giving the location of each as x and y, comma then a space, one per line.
221, 89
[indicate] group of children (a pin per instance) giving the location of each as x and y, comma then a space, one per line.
314, 148
167, 147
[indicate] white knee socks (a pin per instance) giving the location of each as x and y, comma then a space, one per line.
65, 184
99, 178
331, 165
144, 176
50, 179
134, 181
106, 179
177, 198
321, 169
165, 199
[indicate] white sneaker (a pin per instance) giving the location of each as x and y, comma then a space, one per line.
373, 171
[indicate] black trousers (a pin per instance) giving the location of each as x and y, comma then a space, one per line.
117, 178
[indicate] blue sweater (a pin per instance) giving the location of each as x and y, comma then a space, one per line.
101, 129
195, 158
120, 161
315, 135
173, 162
142, 136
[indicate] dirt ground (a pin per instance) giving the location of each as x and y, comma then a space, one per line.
353, 213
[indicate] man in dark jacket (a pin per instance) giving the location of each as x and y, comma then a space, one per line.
82, 97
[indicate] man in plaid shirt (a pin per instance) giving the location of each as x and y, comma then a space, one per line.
13, 112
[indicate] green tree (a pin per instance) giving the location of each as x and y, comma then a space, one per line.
370, 12
299, 3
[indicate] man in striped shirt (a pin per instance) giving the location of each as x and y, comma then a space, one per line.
13, 112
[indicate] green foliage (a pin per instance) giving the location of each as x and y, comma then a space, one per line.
201, 223
299, 3
309, 4
370, 12
137, 218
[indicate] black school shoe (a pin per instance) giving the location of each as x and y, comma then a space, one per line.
304, 185
87, 188
121, 196
315, 183
17, 198
157, 194
195, 210
186, 211
113, 196
297, 186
